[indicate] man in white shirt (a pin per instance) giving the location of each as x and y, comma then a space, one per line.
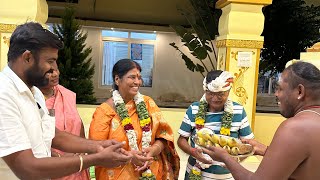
27, 130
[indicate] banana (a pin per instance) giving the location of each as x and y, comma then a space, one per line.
227, 148
223, 141
199, 134
204, 133
232, 142
196, 140
206, 136
217, 145
209, 143
234, 151
214, 138
202, 142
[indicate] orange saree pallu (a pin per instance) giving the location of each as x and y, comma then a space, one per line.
106, 124
67, 119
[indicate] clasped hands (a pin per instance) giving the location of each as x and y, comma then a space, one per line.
142, 159
111, 154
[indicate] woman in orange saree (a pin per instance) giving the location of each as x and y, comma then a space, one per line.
159, 154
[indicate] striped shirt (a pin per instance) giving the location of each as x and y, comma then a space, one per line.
240, 128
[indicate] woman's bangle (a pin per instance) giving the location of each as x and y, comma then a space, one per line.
81, 163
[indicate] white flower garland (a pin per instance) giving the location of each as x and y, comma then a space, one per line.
132, 137
145, 124
196, 171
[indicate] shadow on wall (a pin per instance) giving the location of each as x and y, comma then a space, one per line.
172, 97
173, 100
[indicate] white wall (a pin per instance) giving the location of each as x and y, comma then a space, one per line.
172, 81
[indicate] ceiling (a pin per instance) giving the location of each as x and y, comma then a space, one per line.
147, 12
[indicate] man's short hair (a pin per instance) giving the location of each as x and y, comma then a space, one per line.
33, 37
303, 73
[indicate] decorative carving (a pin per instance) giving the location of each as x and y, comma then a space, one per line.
221, 62
238, 88
240, 43
6, 40
7, 28
115, 124
234, 55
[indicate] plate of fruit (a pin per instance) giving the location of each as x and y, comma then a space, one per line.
206, 137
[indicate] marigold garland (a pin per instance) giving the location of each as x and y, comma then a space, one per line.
226, 120
126, 122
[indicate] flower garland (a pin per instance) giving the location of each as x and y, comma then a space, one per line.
126, 122
226, 119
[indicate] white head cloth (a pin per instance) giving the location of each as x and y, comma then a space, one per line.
221, 83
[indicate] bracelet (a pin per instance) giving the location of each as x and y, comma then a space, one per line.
58, 154
81, 163
158, 147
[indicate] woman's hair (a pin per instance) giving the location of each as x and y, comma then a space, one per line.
122, 67
33, 37
212, 75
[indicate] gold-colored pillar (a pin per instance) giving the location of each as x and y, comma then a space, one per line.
15, 12
239, 44
312, 56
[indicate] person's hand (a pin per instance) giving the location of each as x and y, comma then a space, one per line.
107, 143
259, 148
70, 154
64, 154
197, 153
141, 159
150, 152
216, 153
113, 156
100, 145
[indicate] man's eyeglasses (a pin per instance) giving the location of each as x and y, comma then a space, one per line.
218, 94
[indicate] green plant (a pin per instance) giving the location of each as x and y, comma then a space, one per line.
74, 62
290, 27
203, 21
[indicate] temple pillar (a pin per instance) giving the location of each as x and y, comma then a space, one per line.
312, 56
239, 44
15, 12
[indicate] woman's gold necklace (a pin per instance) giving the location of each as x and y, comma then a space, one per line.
49, 95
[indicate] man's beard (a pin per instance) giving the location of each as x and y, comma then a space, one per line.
35, 78
288, 110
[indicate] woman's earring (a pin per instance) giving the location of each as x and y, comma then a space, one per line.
298, 97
